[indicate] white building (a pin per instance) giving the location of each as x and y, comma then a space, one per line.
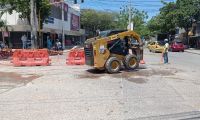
53, 26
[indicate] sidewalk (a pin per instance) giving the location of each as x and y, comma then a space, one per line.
193, 51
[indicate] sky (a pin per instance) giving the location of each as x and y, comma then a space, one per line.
150, 6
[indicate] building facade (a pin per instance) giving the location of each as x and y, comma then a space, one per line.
193, 35
63, 20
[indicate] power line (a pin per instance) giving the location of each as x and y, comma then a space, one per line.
152, 6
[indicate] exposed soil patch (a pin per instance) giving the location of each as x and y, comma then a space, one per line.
163, 72
92, 74
10, 80
137, 80
96, 71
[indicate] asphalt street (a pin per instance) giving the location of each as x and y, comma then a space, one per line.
59, 92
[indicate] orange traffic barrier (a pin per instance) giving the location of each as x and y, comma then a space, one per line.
5, 53
76, 57
38, 57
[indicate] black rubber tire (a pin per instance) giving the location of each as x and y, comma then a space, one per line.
108, 65
127, 62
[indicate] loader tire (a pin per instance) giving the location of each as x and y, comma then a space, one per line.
131, 62
113, 65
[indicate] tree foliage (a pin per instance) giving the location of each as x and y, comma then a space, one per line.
138, 19
181, 14
163, 22
23, 8
20, 6
186, 12
92, 20
2, 23
154, 25
44, 7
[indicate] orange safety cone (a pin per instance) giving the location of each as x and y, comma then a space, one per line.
142, 61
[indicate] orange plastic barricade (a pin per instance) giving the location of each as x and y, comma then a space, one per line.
76, 57
5, 53
38, 57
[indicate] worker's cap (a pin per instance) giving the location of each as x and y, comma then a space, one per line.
166, 40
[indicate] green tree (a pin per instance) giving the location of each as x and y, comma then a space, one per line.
4, 28
23, 8
43, 8
154, 25
186, 12
180, 14
166, 18
138, 19
20, 6
2, 23
92, 20
164, 22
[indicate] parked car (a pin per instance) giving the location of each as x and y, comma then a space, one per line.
177, 46
156, 46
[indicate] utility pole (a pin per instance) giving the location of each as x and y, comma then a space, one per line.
63, 31
33, 24
129, 23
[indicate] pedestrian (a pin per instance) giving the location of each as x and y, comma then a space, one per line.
49, 42
24, 40
58, 45
165, 51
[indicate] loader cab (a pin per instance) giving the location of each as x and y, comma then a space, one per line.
119, 47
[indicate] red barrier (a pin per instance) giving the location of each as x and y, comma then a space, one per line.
76, 57
5, 53
39, 57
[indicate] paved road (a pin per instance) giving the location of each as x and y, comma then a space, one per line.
60, 92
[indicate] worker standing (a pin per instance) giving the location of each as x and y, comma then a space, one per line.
49, 42
24, 41
165, 51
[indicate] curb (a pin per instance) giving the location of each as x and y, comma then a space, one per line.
192, 52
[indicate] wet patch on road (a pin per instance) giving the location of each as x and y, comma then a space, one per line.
138, 76
137, 80
11, 80
92, 74
163, 72
89, 76
176, 78
144, 73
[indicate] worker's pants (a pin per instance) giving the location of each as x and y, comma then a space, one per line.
165, 56
24, 45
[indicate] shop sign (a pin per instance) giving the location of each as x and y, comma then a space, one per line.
75, 22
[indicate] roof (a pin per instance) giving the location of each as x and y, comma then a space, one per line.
110, 32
